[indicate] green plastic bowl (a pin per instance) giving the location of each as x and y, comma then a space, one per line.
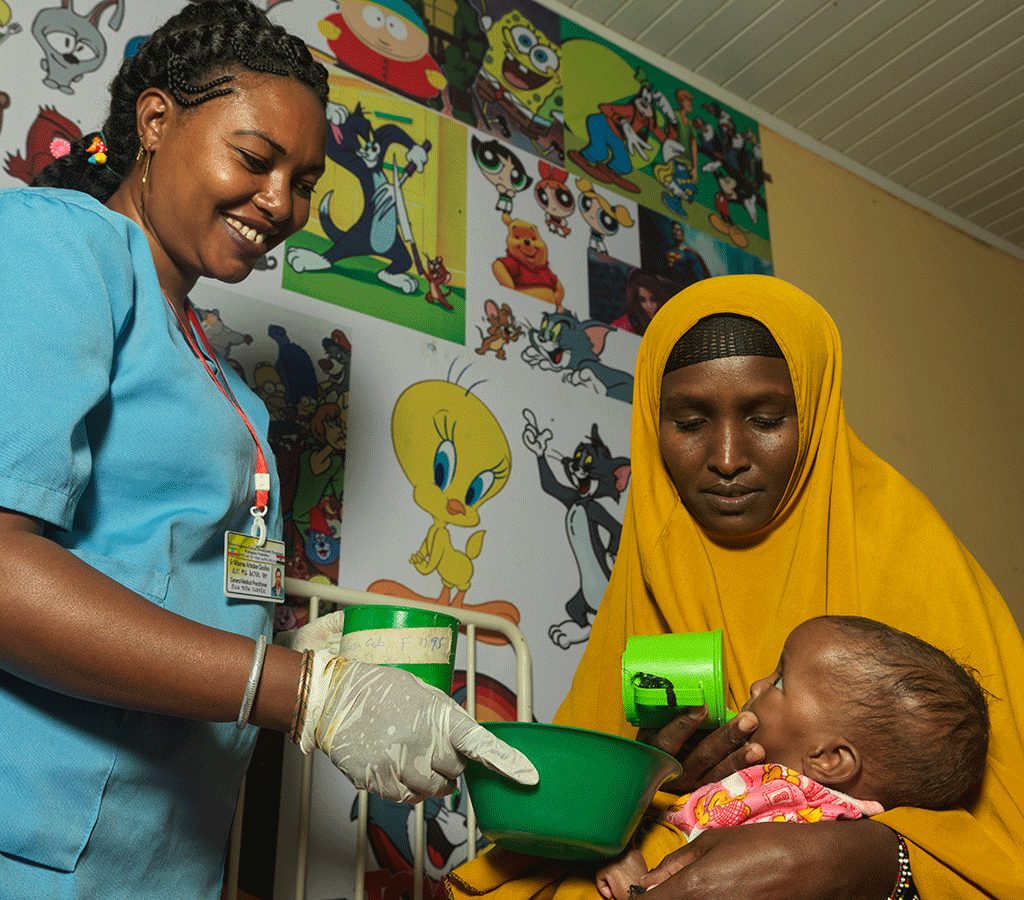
593, 789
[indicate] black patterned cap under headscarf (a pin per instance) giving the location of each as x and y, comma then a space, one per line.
722, 335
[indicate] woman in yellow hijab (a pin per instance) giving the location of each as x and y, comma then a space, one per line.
714, 537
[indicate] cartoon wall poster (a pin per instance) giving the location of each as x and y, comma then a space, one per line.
550, 537
49, 134
56, 63
682, 254
458, 43
387, 235
516, 243
508, 247
8, 26
437, 463
73, 43
584, 487
384, 41
438, 517
303, 20
517, 91
625, 296
671, 147
300, 366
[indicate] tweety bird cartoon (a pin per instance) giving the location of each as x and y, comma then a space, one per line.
456, 456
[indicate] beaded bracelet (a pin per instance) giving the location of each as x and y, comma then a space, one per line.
254, 679
302, 698
905, 888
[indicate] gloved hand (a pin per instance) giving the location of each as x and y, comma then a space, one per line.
392, 734
323, 633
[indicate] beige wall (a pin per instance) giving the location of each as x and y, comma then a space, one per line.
932, 323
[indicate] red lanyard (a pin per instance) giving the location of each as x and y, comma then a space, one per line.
258, 511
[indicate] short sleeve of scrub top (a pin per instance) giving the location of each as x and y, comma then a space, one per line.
115, 438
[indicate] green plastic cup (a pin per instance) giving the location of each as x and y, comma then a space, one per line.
663, 673
418, 640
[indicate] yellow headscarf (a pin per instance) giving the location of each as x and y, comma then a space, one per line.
851, 537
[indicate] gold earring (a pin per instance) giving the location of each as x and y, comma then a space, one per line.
145, 178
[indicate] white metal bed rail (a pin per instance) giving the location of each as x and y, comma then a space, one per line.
524, 712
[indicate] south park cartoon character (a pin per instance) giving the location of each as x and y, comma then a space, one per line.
525, 266
386, 41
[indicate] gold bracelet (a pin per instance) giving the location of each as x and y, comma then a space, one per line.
302, 698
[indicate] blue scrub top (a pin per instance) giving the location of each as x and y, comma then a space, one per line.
115, 437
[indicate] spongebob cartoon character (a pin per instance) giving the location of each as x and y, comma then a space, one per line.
455, 454
520, 80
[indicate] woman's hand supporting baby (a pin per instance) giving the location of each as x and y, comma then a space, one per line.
725, 750
617, 879
845, 859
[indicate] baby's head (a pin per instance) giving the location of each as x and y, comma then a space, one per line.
874, 712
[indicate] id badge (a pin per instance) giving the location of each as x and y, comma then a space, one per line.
252, 572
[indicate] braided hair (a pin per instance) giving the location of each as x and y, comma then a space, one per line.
190, 56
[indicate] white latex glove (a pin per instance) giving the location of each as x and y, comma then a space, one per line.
392, 734
323, 633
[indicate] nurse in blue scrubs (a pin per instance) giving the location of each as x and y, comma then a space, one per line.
128, 679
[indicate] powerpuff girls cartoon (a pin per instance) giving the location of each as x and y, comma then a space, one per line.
502, 168
603, 217
554, 197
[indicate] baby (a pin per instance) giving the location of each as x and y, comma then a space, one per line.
854, 709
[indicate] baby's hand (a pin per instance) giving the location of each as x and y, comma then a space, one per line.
615, 880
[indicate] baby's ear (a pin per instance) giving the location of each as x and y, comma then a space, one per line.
834, 763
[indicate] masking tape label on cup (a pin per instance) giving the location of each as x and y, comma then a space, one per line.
404, 646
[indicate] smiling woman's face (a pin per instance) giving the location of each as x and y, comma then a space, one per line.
232, 177
729, 437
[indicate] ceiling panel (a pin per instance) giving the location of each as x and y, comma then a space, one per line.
1006, 190
927, 95
1004, 213
928, 81
705, 39
781, 69
829, 38
634, 17
975, 94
